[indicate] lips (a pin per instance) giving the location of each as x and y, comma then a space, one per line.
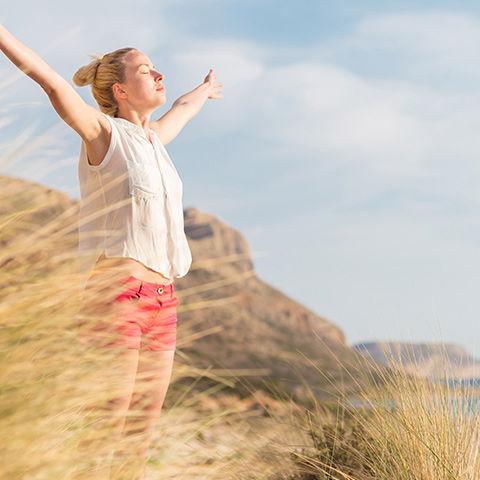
160, 88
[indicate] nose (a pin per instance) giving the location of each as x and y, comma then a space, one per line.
159, 77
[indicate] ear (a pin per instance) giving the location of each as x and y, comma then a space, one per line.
119, 91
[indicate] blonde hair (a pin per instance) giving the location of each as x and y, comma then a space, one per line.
101, 73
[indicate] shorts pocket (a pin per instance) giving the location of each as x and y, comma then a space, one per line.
130, 294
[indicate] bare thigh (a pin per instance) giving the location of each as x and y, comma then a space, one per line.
152, 380
151, 385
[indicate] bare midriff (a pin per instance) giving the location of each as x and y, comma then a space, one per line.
130, 266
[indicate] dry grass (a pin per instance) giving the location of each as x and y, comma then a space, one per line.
401, 427
56, 389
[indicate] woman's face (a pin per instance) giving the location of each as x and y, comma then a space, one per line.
143, 89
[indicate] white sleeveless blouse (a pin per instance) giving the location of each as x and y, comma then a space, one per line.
131, 204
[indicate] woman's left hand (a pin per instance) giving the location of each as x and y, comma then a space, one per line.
213, 86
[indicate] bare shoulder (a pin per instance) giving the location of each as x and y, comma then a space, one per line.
100, 126
86, 120
90, 123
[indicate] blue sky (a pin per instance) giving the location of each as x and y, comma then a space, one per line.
345, 149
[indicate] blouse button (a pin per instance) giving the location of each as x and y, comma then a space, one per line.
160, 289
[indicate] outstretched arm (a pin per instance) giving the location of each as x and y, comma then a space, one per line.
26, 60
67, 102
168, 126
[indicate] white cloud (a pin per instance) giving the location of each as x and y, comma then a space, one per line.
313, 109
393, 130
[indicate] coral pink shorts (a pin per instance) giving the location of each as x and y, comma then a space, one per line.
145, 316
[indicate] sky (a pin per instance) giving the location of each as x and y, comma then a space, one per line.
346, 148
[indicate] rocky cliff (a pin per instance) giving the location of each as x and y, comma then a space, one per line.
261, 327
228, 318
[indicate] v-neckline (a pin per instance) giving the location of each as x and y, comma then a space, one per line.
138, 129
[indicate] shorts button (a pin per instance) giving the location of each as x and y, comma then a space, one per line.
160, 289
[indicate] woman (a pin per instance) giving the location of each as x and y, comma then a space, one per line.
131, 214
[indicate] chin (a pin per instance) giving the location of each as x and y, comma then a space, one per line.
162, 101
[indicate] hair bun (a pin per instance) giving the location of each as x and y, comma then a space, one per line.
86, 75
